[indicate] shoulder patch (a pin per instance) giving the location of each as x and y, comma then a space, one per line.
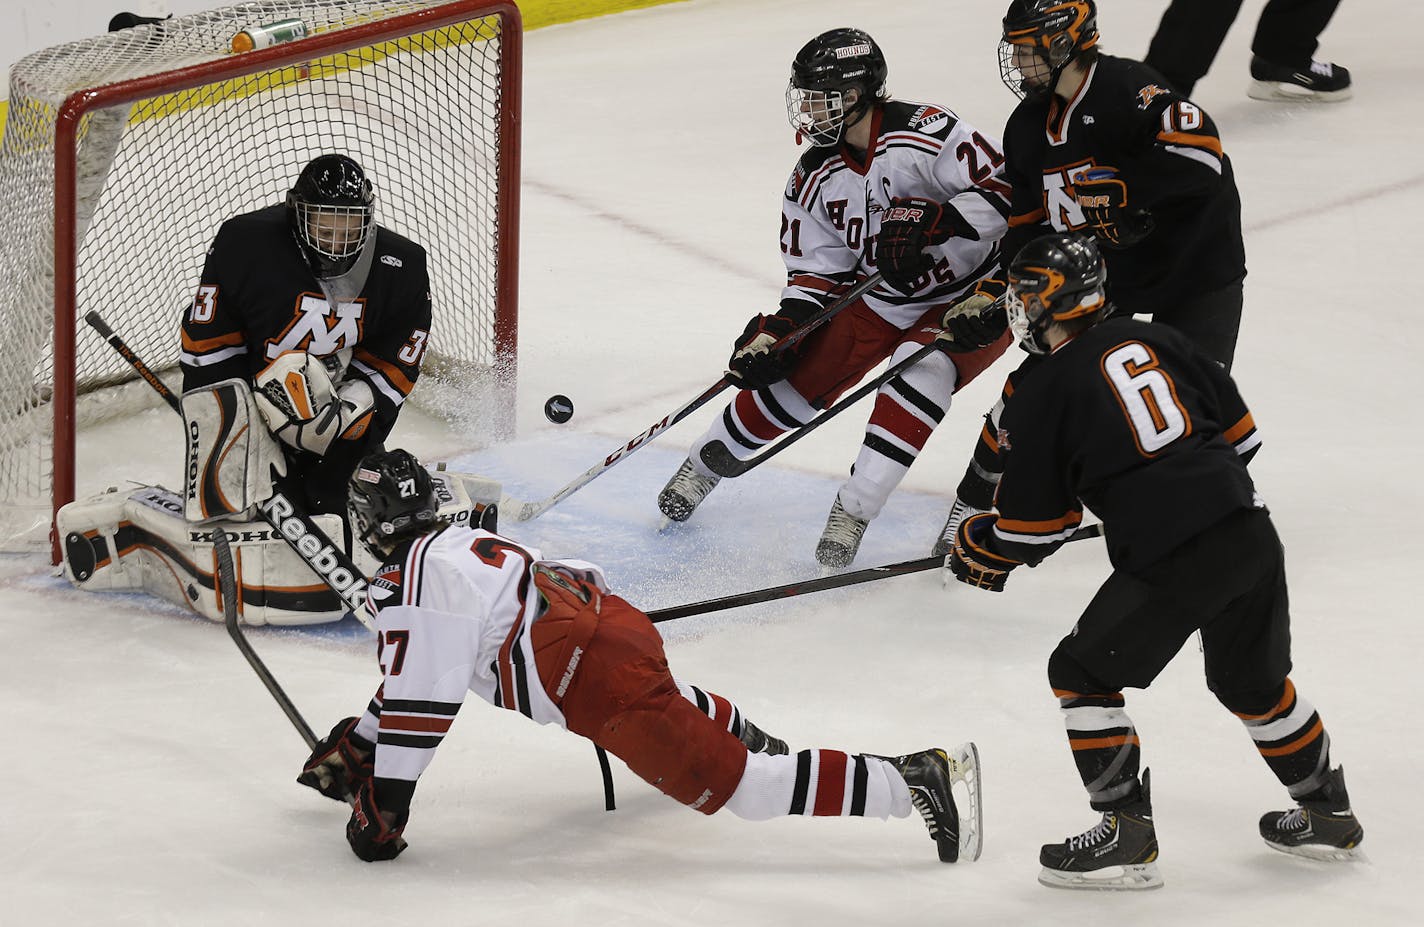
931, 120
386, 583
1147, 94
390, 260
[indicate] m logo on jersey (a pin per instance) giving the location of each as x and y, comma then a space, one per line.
1148, 94
1060, 203
319, 329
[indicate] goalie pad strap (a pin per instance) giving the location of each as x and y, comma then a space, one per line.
232, 459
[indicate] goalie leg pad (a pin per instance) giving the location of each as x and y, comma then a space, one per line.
232, 459
139, 541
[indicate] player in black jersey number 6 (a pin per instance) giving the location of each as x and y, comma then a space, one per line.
1131, 420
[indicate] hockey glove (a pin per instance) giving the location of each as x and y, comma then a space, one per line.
971, 562
339, 762
372, 837
304, 409
1102, 196
754, 364
909, 225
977, 320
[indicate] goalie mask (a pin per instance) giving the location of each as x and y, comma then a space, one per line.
331, 209
822, 73
1055, 278
391, 499
1041, 38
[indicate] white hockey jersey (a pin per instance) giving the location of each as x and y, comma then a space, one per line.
453, 615
831, 213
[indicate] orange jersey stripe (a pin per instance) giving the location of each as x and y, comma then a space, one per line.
200, 345
1243, 427
1050, 526
1209, 142
391, 372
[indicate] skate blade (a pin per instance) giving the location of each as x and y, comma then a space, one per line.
1278, 92
1108, 879
1320, 853
964, 768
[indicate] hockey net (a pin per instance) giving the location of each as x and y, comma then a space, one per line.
122, 155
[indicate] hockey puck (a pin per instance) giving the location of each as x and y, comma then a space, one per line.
559, 409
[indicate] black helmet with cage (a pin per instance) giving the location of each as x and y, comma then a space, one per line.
1055, 278
1041, 38
822, 73
391, 499
332, 211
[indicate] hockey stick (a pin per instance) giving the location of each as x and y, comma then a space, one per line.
721, 461
227, 586
287, 519
820, 584
524, 511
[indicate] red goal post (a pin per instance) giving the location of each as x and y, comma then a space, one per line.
425, 94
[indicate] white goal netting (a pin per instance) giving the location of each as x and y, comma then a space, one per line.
425, 110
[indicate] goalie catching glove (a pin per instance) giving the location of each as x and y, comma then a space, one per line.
977, 320
1102, 196
304, 409
973, 563
754, 364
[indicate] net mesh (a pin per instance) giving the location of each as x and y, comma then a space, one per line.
156, 178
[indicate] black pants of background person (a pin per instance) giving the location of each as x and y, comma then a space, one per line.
1211, 320
1192, 31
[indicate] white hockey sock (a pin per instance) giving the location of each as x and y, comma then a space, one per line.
819, 782
754, 418
907, 409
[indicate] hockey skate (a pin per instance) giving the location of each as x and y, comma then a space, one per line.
1320, 82
957, 513
685, 492
1321, 828
759, 741
1120, 853
931, 775
841, 538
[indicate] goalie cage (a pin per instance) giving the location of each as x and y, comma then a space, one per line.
122, 155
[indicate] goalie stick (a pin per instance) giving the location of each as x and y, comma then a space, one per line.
722, 462
287, 519
822, 583
524, 511
227, 586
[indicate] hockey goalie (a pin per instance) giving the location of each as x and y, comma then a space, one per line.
301, 344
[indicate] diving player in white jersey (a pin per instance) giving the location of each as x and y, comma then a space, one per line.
909, 189
460, 610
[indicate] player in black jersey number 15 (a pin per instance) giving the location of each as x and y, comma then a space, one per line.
1129, 419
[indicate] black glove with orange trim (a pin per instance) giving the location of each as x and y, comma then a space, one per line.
971, 562
1102, 196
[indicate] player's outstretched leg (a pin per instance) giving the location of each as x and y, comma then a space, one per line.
930, 776
841, 537
725, 711
685, 491
1322, 827
1119, 853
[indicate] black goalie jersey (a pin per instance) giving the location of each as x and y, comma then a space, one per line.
258, 299
1167, 151
1131, 420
